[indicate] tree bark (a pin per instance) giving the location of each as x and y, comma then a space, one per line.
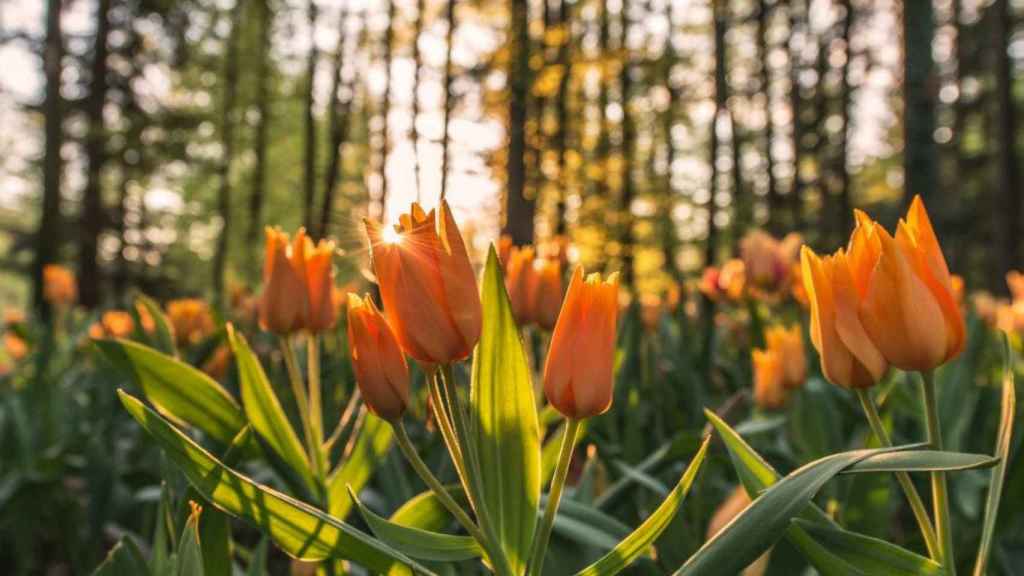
309, 123
93, 218
449, 99
796, 190
227, 132
257, 197
845, 220
339, 115
1009, 190
385, 137
417, 59
562, 112
772, 187
711, 248
669, 238
626, 237
919, 150
520, 210
48, 234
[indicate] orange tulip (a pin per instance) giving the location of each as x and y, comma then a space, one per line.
216, 366
318, 274
521, 282
15, 346
504, 247
788, 344
547, 299
191, 320
381, 371
1015, 282
708, 285
113, 324
769, 379
733, 279
849, 358
427, 284
578, 373
283, 302
59, 285
908, 307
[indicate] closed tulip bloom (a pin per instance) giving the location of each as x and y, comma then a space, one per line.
769, 377
283, 303
521, 282
761, 257
191, 320
788, 343
732, 280
849, 358
427, 284
381, 371
548, 293
578, 371
318, 272
908, 307
708, 285
59, 285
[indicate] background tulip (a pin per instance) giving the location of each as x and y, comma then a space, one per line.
769, 377
427, 284
521, 282
578, 373
381, 371
547, 293
788, 344
283, 302
318, 272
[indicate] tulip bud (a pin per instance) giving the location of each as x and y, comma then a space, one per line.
709, 283
578, 373
548, 292
283, 301
191, 320
788, 344
427, 284
59, 285
849, 358
381, 371
769, 376
319, 280
732, 280
521, 281
908, 307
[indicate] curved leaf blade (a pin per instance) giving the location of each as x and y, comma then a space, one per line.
922, 461
372, 444
641, 539
871, 554
299, 529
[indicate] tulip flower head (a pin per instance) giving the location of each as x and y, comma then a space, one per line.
113, 324
59, 285
578, 373
381, 371
191, 320
769, 379
427, 283
298, 282
849, 358
547, 294
788, 344
521, 282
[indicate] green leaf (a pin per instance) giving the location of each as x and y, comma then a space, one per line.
922, 461
177, 390
124, 559
998, 474
190, 554
264, 410
163, 331
258, 559
417, 542
372, 444
641, 539
215, 540
424, 511
872, 555
507, 430
299, 529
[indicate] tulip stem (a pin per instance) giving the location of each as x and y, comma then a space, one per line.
913, 497
543, 532
402, 437
940, 492
298, 389
316, 422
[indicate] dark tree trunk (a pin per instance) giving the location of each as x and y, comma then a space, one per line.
845, 220
721, 93
257, 197
519, 211
339, 115
772, 187
93, 219
417, 59
449, 99
309, 124
385, 137
626, 238
603, 150
562, 112
1009, 184
919, 151
669, 238
227, 131
796, 190
48, 235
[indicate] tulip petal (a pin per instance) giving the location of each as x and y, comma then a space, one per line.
848, 324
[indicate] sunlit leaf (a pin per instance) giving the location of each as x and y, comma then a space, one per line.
372, 444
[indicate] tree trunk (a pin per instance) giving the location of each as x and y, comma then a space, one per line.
711, 248
845, 220
417, 59
338, 118
669, 238
227, 132
520, 210
772, 191
385, 144
48, 235
919, 151
93, 217
449, 100
257, 197
562, 112
796, 190
626, 238
1009, 185
309, 124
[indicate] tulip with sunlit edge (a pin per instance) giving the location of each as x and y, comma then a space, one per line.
381, 371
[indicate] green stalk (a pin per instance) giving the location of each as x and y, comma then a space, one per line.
916, 504
940, 492
316, 413
543, 533
299, 390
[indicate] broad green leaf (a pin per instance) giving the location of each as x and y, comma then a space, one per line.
998, 474
505, 411
177, 390
215, 540
370, 447
264, 410
299, 529
870, 554
423, 511
190, 554
162, 329
922, 461
641, 539
124, 559
417, 542
756, 528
